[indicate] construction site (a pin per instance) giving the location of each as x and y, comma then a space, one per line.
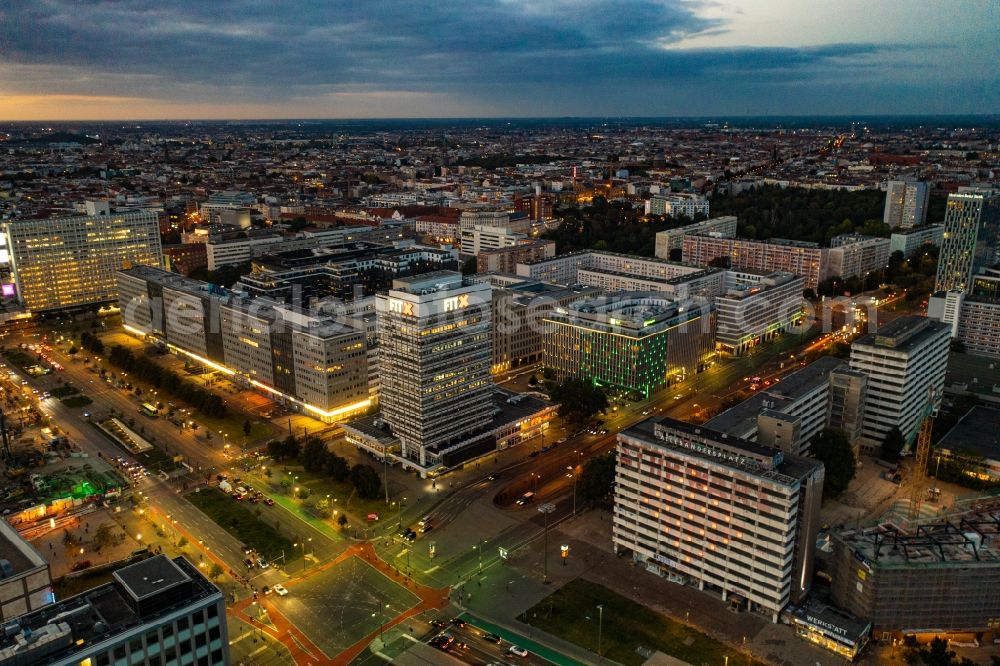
923, 567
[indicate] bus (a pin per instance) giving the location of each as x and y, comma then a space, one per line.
148, 409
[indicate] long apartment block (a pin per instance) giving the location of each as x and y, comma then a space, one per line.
70, 261
736, 518
854, 257
312, 362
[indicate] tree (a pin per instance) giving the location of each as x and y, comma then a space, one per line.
597, 478
366, 481
313, 455
274, 449
104, 536
469, 266
839, 350
720, 262
578, 399
290, 447
342, 520
323, 507
215, 571
833, 449
336, 467
892, 445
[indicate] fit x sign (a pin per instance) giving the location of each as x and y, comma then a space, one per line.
401, 307
456, 302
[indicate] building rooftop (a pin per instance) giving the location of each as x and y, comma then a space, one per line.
99, 614
847, 628
722, 449
912, 231
902, 334
21, 555
742, 418
975, 433
154, 576
429, 282
968, 539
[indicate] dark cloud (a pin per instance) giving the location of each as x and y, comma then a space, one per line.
263, 49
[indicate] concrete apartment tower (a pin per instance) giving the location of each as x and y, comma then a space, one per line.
904, 360
906, 204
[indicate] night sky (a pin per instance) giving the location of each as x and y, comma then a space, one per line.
138, 59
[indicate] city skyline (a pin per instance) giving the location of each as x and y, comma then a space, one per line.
245, 59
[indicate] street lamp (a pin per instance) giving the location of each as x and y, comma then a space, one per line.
399, 514
479, 547
572, 473
546, 509
600, 629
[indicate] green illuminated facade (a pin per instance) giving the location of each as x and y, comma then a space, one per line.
637, 341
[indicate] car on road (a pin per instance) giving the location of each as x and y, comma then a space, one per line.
439, 624
678, 396
525, 498
517, 651
410, 535
493, 638
262, 563
248, 563
493, 477
279, 589
268, 501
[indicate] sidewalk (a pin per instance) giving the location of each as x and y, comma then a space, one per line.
775, 643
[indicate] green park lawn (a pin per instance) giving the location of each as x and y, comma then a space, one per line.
242, 523
571, 614
342, 494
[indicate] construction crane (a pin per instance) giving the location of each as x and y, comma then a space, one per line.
922, 455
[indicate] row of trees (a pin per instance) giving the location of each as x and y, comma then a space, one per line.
142, 368
315, 457
91, 343
578, 399
803, 214
607, 225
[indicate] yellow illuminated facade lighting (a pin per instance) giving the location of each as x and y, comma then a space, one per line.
322, 413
